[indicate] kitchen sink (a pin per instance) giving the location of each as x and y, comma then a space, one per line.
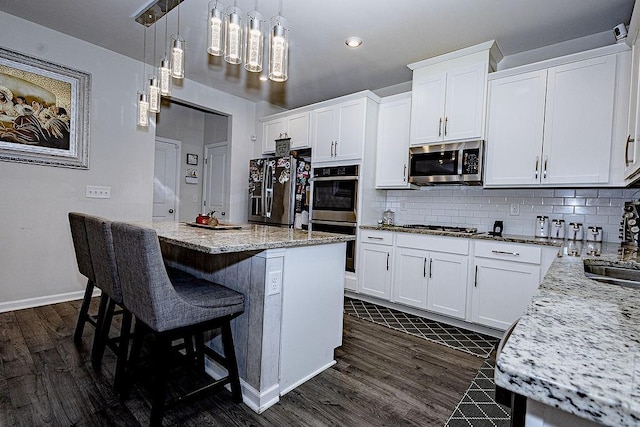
615, 275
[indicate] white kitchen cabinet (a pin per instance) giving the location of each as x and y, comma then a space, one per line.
448, 95
631, 152
294, 126
392, 158
552, 126
338, 131
506, 276
430, 272
374, 265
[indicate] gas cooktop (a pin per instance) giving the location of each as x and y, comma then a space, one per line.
449, 228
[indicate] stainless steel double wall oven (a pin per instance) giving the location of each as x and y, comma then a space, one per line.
335, 201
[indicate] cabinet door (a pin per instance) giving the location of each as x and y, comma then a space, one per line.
298, 130
427, 108
447, 289
350, 136
631, 153
375, 275
410, 277
323, 133
271, 131
502, 290
579, 122
515, 129
393, 144
464, 102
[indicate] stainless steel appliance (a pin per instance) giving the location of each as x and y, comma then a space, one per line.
334, 204
448, 163
630, 224
278, 189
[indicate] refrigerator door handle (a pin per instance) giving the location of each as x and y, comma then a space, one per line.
267, 188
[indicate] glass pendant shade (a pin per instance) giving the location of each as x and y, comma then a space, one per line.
278, 49
216, 29
154, 94
254, 42
143, 109
233, 35
177, 56
165, 77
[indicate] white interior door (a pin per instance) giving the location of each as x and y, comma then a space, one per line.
165, 180
215, 189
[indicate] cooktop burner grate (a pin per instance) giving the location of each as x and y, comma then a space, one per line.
449, 228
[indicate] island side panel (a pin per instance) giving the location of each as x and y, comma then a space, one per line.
312, 311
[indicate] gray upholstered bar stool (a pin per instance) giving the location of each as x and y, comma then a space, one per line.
85, 266
169, 312
106, 277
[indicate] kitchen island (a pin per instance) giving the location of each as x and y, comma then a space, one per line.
575, 353
293, 282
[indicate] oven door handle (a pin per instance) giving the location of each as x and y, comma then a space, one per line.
334, 178
339, 223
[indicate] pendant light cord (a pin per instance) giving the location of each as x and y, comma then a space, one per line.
179, 17
144, 51
155, 35
166, 28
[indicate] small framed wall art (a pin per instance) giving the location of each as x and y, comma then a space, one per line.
192, 159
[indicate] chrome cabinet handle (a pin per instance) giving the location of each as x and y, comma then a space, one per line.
537, 161
170, 210
440, 127
336, 151
424, 268
387, 261
375, 238
404, 173
331, 148
446, 121
626, 151
430, 265
544, 173
505, 253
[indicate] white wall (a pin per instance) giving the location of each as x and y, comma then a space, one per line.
37, 260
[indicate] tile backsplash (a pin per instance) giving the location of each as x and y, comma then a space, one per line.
480, 207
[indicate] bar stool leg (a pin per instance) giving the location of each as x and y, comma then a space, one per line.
232, 364
84, 312
161, 354
123, 348
105, 316
139, 332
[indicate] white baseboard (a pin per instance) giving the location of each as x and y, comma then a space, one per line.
306, 378
257, 401
40, 301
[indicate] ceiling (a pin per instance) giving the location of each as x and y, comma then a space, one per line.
321, 66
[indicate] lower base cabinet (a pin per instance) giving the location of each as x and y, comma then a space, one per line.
374, 263
502, 290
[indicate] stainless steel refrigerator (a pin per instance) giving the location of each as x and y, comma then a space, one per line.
279, 190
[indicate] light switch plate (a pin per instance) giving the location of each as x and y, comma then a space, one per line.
95, 192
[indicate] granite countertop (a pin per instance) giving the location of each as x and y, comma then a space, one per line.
250, 237
477, 236
577, 346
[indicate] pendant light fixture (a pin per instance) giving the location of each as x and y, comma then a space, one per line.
279, 48
177, 52
154, 84
215, 30
254, 41
233, 35
142, 119
165, 64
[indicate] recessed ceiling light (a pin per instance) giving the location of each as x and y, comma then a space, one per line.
353, 42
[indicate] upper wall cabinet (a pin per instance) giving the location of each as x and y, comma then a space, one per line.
338, 131
294, 126
392, 156
631, 151
449, 94
553, 126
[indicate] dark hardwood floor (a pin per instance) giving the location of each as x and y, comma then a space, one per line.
382, 378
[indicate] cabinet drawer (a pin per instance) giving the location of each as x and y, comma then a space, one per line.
376, 237
451, 245
509, 251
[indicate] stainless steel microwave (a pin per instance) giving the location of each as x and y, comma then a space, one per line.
447, 163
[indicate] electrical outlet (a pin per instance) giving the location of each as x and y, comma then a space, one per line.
514, 209
275, 283
95, 192
403, 206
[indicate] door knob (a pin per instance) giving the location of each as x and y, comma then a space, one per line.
223, 213
170, 210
